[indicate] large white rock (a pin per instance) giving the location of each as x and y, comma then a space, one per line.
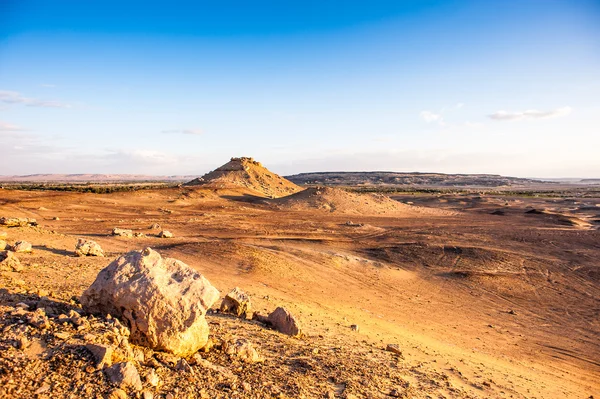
164, 301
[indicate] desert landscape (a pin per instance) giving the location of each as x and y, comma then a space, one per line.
463, 294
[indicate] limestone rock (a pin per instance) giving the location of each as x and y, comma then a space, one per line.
164, 301
124, 375
236, 302
165, 234
102, 354
88, 248
122, 232
17, 222
243, 350
22, 246
283, 321
9, 262
394, 348
152, 378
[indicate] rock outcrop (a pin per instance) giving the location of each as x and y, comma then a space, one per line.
88, 248
163, 301
17, 222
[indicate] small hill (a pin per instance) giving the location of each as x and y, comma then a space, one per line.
247, 173
338, 200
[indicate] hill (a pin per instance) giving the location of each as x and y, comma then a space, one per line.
333, 199
247, 173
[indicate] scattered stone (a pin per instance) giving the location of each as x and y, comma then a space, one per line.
163, 300
17, 222
242, 349
237, 302
88, 248
200, 361
167, 359
117, 394
355, 327
22, 305
3, 245
22, 247
147, 395
284, 322
139, 235
55, 218
155, 226
62, 335
122, 232
165, 234
38, 319
124, 375
394, 348
183, 365
152, 378
102, 354
9, 262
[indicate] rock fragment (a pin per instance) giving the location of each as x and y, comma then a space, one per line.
124, 375
102, 354
17, 222
283, 321
165, 234
163, 300
9, 262
242, 349
122, 232
394, 348
237, 302
88, 248
22, 247
152, 378
3, 245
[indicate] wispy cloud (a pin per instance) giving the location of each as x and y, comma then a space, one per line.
530, 114
195, 132
431, 117
7, 127
13, 97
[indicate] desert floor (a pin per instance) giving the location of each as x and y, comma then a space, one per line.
484, 297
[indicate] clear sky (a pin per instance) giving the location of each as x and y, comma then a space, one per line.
496, 86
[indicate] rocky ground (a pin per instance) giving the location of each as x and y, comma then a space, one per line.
479, 305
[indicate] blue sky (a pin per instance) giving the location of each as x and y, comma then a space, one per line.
500, 86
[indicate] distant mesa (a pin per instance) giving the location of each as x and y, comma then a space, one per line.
246, 173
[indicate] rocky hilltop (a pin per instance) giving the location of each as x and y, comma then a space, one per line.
246, 173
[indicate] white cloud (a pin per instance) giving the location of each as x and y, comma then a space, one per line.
430, 117
195, 132
7, 127
530, 114
13, 97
